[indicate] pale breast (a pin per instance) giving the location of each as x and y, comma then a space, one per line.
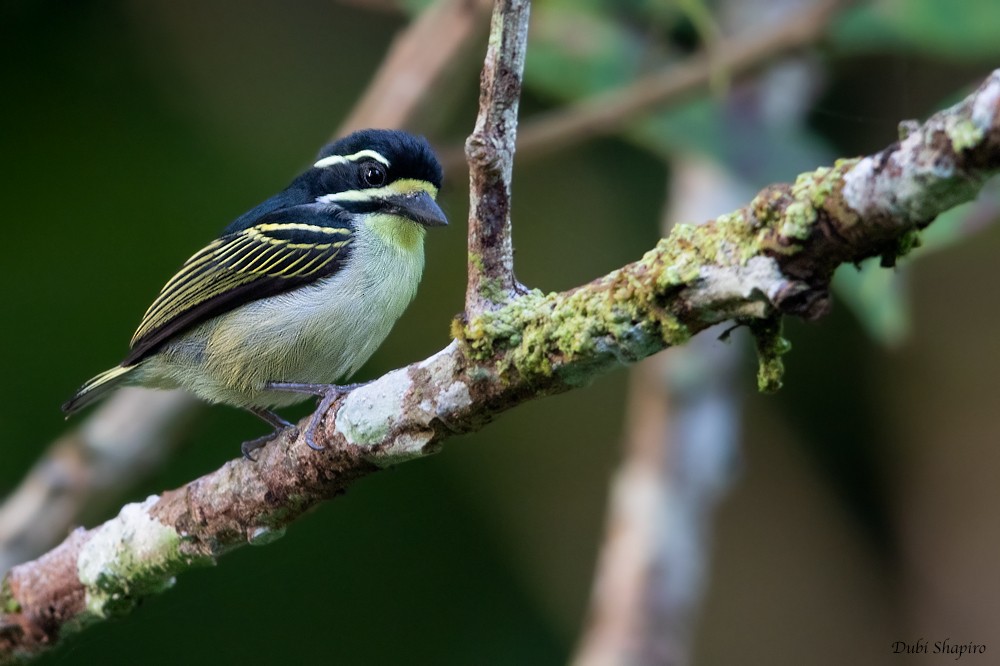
320, 333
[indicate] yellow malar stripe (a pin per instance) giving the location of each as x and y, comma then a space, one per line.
403, 186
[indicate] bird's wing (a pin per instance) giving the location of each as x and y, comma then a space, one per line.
284, 250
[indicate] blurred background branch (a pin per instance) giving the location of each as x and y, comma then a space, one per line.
124, 440
86, 472
609, 111
775, 256
871, 491
683, 424
681, 444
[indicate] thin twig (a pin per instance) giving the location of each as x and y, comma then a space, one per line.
610, 111
773, 257
490, 151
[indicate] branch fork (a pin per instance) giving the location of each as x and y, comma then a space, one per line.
774, 256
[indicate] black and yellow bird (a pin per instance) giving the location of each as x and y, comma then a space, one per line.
296, 293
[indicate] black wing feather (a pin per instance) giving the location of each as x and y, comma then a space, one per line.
284, 250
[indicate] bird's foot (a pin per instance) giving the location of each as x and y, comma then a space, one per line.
279, 424
328, 394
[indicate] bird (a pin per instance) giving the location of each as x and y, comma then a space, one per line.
296, 293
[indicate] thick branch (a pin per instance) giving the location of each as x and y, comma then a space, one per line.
87, 470
774, 256
490, 152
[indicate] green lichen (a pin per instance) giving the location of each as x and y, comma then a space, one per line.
131, 557
906, 128
799, 219
789, 215
476, 261
964, 134
8, 604
622, 317
633, 312
771, 346
573, 335
492, 290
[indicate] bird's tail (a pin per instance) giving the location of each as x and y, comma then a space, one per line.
97, 388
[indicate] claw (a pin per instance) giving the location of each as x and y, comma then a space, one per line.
247, 448
279, 424
330, 393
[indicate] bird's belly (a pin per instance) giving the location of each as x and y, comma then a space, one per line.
319, 334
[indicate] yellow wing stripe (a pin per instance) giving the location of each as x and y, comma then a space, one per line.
336, 231
188, 281
229, 263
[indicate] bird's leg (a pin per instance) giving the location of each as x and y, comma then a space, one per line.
328, 392
279, 424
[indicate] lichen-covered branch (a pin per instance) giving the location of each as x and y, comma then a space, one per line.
681, 438
490, 154
771, 258
87, 470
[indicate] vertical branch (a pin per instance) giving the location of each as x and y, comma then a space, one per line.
490, 152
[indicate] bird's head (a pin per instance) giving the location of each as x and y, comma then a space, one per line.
380, 173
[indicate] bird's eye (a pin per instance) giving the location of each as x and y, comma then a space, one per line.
374, 174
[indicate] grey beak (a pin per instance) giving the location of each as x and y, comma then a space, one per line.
419, 207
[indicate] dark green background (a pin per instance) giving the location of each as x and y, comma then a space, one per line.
133, 131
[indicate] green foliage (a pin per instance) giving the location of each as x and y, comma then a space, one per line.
576, 52
580, 49
878, 299
965, 29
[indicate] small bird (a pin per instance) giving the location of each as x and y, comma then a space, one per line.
296, 293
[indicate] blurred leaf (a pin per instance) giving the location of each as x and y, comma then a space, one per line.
757, 149
414, 7
962, 222
878, 298
965, 29
576, 52
700, 16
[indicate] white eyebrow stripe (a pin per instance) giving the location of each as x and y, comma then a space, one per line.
345, 159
